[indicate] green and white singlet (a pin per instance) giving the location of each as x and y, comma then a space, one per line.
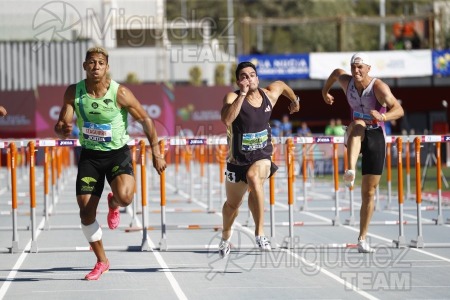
103, 126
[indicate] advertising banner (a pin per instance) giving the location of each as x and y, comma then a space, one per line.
384, 64
283, 67
20, 120
441, 63
198, 110
157, 100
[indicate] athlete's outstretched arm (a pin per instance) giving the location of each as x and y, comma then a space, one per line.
337, 75
127, 100
3, 111
63, 127
278, 88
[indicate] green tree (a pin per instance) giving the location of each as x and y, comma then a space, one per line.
195, 75
219, 74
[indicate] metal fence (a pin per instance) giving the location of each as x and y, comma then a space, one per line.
27, 64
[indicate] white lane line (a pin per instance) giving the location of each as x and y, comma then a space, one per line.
173, 282
333, 276
376, 236
346, 284
85, 291
10, 278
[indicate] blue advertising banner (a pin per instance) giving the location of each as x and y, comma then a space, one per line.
441, 62
290, 66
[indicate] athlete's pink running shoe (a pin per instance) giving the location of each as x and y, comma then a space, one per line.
113, 215
98, 270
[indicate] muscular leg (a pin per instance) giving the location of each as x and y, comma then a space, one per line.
368, 188
356, 133
122, 187
230, 210
88, 210
256, 176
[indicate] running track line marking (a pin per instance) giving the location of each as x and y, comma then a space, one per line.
377, 236
173, 282
10, 278
316, 267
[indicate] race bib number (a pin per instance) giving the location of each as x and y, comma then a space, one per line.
254, 141
368, 119
231, 176
361, 116
97, 132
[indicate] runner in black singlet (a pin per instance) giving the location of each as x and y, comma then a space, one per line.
246, 113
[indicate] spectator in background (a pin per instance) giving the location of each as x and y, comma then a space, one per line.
329, 129
304, 130
286, 126
275, 128
339, 129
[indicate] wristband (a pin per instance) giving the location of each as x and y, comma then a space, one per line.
384, 117
243, 94
298, 99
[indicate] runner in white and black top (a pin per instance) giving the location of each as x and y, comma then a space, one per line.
246, 113
368, 98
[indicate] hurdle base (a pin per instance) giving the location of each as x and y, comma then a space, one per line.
290, 242
163, 244
14, 247
134, 223
350, 221
34, 247
273, 243
145, 245
418, 243
336, 221
439, 220
400, 243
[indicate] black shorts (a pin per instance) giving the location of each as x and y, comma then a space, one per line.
236, 173
95, 165
373, 149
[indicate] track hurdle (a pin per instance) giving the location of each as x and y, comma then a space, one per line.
439, 218
401, 241
290, 162
162, 188
290, 172
273, 241
15, 236
418, 242
31, 153
304, 177
163, 244
336, 220
145, 245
